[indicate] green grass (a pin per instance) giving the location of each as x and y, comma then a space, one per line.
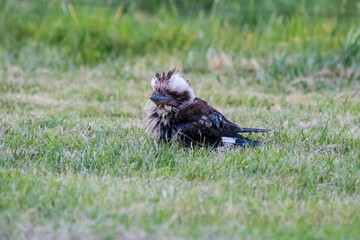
75, 162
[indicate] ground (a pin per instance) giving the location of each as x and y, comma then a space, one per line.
76, 163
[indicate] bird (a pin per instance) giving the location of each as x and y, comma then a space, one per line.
176, 114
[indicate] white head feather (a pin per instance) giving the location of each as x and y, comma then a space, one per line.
178, 84
153, 83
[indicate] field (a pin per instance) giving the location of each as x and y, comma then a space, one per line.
76, 163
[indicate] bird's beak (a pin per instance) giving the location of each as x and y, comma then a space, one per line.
160, 99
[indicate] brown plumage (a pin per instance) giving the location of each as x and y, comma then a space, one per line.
175, 113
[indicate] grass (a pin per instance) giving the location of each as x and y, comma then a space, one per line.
75, 162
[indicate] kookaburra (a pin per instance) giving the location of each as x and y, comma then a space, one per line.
175, 113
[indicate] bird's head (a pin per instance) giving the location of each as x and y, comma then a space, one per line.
170, 91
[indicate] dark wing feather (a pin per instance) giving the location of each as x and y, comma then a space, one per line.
201, 123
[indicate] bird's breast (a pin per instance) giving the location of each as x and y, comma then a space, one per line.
161, 126
164, 110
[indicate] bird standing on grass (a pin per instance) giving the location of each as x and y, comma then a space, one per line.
175, 113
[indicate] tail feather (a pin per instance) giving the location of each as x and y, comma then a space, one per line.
229, 141
254, 130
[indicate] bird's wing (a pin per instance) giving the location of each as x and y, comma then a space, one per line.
202, 123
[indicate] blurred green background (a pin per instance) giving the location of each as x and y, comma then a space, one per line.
89, 31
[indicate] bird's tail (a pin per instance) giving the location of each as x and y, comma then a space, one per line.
230, 141
254, 130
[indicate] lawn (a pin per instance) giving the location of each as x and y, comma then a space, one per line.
76, 163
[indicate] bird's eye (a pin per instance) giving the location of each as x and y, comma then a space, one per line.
173, 94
